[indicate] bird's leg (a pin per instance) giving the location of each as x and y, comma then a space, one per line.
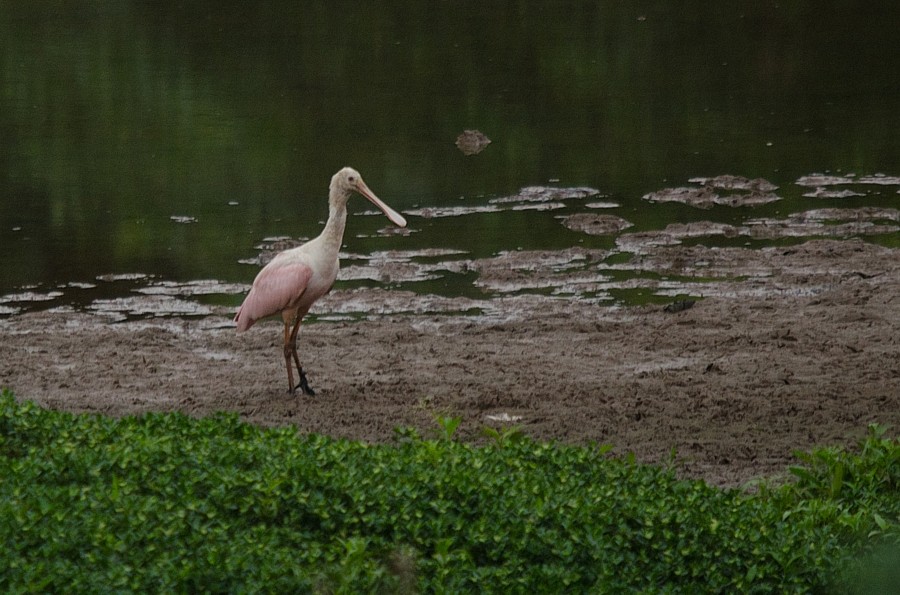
287, 357
304, 383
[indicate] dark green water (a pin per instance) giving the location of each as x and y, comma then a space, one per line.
116, 116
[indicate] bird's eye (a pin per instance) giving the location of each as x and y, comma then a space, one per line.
352, 179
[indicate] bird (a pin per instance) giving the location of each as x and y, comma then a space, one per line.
295, 279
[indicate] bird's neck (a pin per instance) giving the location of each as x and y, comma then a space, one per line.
333, 234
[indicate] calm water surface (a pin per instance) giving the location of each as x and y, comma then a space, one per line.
170, 141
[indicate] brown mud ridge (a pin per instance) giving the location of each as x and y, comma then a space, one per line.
789, 348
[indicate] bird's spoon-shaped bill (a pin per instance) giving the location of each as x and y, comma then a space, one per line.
393, 215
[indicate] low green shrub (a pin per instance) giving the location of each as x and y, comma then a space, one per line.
164, 502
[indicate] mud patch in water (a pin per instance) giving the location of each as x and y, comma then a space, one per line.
371, 303
472, 142
808, 269
510, 272
530, 198
750, 193
112, 278
596, 225
400, 266
438, 212
191, 288
592, 275
31, 296
822, 192
835, 223
816, 180
823, 184
546, 194
729, 182
154, 305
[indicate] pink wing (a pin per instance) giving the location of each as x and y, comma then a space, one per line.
274, 290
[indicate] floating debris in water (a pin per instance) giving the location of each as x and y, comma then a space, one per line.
472, 142
233, 203
183, 219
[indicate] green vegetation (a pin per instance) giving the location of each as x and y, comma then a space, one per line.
164, 502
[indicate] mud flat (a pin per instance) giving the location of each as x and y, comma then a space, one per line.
785, 349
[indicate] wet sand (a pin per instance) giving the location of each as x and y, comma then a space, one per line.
789, 348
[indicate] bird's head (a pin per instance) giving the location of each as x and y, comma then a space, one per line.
348, 180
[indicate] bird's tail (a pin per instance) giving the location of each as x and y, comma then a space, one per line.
243, 322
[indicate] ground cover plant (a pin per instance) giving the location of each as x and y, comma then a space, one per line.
164, 502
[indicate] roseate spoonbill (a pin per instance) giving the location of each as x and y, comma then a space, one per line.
292, 282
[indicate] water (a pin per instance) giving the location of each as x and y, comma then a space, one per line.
143, 144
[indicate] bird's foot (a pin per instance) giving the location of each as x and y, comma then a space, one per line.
304, 386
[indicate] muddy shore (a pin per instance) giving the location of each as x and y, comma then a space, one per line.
802, 351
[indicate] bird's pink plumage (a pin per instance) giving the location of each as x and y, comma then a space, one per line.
277, 287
